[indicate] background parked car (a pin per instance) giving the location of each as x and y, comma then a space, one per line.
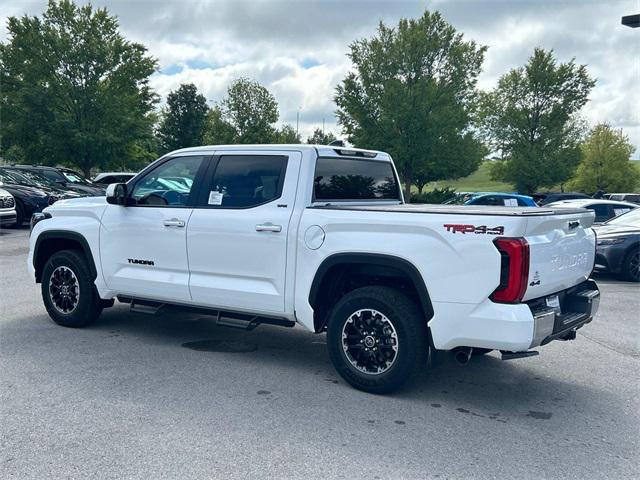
618, 249
33, 179
494, 198
604, 209
28, 199
65, 177
7, 208
550, 197
107, 178
625, 197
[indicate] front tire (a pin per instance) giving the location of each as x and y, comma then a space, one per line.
377, 339
631, 265
19, 214
68, 291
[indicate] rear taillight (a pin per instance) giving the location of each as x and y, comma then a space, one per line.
514, 270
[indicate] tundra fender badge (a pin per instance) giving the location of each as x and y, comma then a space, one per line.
141, 262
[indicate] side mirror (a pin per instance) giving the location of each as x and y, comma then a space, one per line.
117, 194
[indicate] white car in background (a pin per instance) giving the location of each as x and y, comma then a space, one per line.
604, 209
7, 208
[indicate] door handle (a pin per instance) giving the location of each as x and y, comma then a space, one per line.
268, 227
174, 222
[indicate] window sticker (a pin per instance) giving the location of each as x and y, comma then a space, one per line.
215, 198
620, 211
510, 202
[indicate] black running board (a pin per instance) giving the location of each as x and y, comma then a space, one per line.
242, 321
516, 355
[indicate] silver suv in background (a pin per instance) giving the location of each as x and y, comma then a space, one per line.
7, 208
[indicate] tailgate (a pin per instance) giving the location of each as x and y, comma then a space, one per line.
562, 251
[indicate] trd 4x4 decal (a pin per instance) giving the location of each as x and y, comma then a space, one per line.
481, 229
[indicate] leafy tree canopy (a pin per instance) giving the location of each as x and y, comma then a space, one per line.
183, 120
411, 94
286, 134
531, 119
606, 163
73, 89
321, 138
216, 131
251, 110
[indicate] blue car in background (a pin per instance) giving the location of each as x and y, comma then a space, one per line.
494, 198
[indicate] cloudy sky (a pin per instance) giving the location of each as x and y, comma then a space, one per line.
297, 48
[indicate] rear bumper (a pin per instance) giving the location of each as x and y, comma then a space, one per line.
514, 327
577, 307
8, 218
609, 258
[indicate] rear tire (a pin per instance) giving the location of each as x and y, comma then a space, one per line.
68, 291
363, 329
631, 265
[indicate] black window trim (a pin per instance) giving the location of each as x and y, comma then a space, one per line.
203, 195
197, 180
354, 200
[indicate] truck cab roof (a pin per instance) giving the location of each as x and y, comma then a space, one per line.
321, 150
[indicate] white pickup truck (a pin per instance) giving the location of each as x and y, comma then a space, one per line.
320, 236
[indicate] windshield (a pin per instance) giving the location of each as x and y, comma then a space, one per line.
14, 177
36, 178
74, 177
629, 219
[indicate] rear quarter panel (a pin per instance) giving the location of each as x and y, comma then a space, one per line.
461, 268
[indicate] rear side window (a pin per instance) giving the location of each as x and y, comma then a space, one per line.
602, 212
244, 181
347, 179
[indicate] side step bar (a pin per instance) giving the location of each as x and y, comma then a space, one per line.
515, 355
148, 308
237, 320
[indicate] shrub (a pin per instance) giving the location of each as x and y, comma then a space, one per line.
436, 195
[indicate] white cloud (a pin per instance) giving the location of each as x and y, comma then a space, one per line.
211, 42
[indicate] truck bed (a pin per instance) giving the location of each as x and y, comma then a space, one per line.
455, 209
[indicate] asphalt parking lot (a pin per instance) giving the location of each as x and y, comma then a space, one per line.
135, 396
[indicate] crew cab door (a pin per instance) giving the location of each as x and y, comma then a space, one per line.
143, 246
237, 235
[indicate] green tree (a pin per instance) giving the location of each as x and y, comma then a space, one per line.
183, 119
606, 163
251, 110
216, 130
411, 94
321, 138
286, 134
14, 155
73, 89
531, 119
